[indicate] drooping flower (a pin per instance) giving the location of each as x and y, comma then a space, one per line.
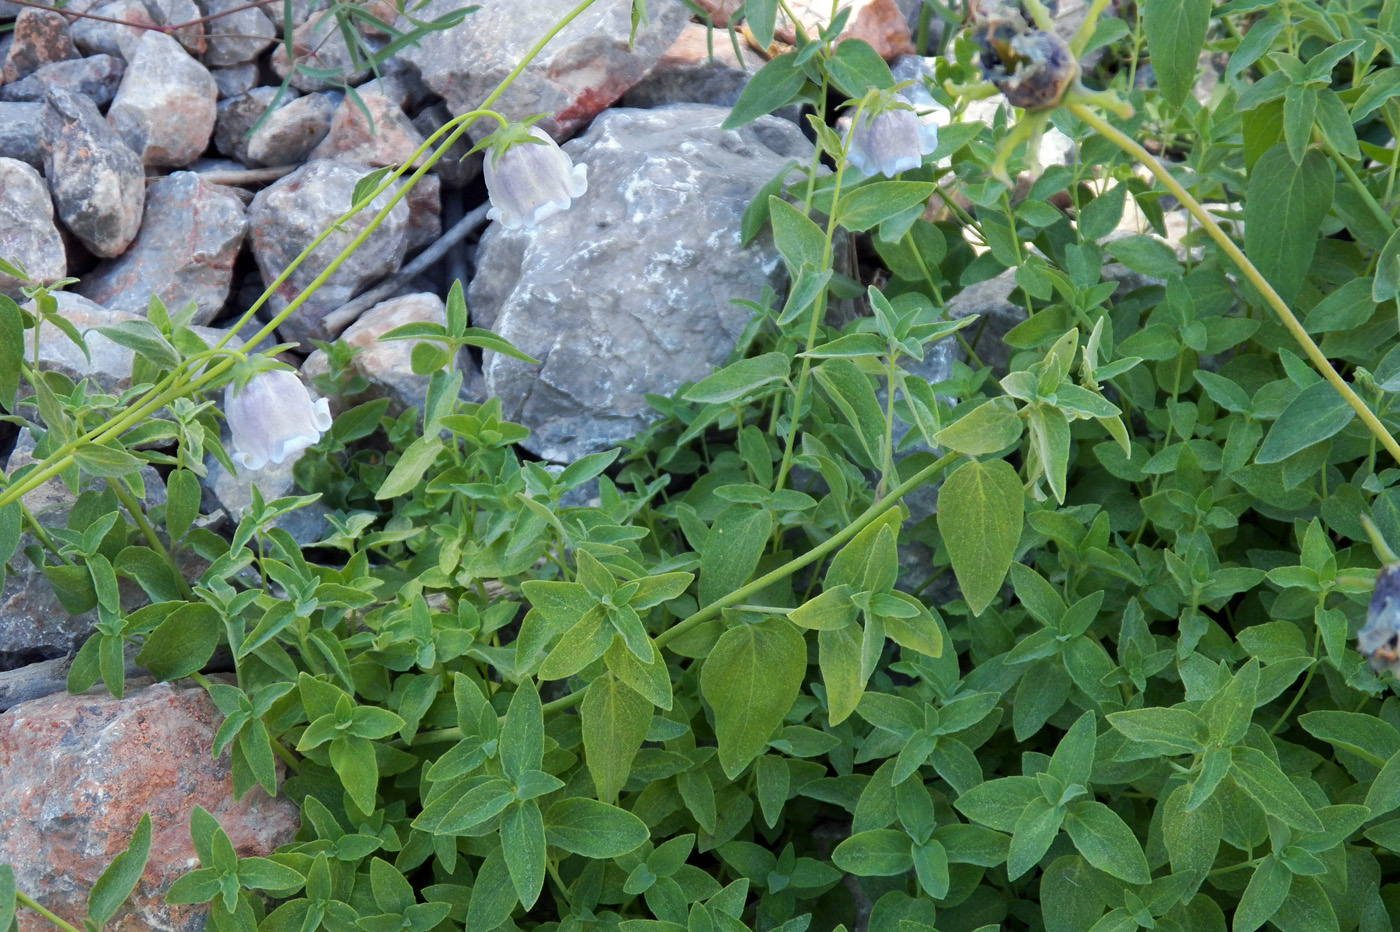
529, 178
273, 418
887, 139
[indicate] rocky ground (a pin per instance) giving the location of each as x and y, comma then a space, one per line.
136, 156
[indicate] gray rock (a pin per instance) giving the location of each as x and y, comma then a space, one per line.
184, 14
424, 212
585, 68
991, 300
40, 37
291, 132
458, 166
234, 81
97, 76
687, 73
388, 137
238, 37
620, 295
165, 106
289, 214
98, 183
319, 45
386, 366
235, 117
97, 36
19, 132
184, 253
80, 771
27, 231
107, 364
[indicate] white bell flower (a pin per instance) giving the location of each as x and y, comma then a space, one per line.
529, 182
273, 418
890, 141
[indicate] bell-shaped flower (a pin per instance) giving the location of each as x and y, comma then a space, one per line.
529, 178
889, 140
273, 418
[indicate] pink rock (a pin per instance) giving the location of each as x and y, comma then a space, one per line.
40, 38
79, 773
387, 138
97, 182
879, 22
98, 36
166, 104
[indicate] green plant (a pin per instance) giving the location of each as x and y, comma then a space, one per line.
717, 699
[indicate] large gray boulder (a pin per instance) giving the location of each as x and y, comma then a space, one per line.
629, 291
586, 67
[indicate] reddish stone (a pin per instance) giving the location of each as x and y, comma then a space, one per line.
879, 22
720, 10
79, 773
40, 38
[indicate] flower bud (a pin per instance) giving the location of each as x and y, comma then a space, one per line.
530, 181
273, 418
890, 141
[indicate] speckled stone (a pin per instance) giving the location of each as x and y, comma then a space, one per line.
98, 183
96, 76
79, 773
165, 106
27, 231
40, 37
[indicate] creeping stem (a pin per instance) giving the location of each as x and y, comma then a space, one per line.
1227, 245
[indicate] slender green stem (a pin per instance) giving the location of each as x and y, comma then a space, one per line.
1357, 184
23, 900
818, 552
1227, 245
133, 508
41, 534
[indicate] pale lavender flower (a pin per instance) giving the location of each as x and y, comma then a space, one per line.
532, 181
890, 142
273, 418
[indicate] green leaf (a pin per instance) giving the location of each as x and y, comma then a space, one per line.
7, 897
1285, 205
121, 876
771, 87
839, 657
1106, 842
1386, 285
1384, 794
1262, 779
876, 853
182, 497
872, 204
366, 185
800, 240
102, 460
1314, 415
1175, 34
732, 550
1174, 731
738, 379
11, 351
595, 830
1306, 908
1146, 255
1031, 837
998, 803
183, 643
408, 472
829, 611
1192, 839
1267, 889
522, 840
751, 678
988, 428
614, 721
854, 395
493, 896
522, 735
354, 762
145, 339
980, 511
855, 67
